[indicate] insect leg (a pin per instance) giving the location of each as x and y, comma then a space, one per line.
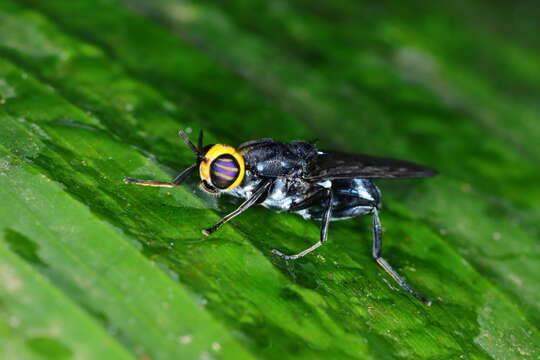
175, 182
324, 231
309, 201
261, 189
377, 245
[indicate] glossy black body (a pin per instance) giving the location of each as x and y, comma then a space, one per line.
300, 171
297, 177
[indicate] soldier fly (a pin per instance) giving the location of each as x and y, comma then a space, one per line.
297, 177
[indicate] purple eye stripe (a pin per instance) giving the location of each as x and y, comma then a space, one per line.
226, 163
218, 170
223, 179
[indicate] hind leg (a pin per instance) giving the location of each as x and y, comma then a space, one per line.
377, 245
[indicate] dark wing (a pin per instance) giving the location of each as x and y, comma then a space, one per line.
336, 165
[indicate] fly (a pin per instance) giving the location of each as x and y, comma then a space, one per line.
297, 177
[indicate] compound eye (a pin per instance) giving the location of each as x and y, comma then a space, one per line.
224, 170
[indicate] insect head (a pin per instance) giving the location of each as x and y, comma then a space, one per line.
221, 167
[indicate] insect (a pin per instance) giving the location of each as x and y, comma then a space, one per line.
296, 177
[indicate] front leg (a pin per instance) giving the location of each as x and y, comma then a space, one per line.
175, 182
259, 191
324, 230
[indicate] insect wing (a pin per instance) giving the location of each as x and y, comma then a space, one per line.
337, 165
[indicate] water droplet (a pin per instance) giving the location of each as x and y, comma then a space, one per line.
6, 90
185, 339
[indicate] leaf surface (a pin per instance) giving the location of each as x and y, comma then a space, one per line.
90, 99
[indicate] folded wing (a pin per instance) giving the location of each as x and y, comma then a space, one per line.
337, 165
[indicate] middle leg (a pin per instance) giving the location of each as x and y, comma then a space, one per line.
324, 231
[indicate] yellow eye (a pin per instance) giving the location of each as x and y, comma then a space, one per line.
223, 167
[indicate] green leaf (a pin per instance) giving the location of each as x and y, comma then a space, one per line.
95, 91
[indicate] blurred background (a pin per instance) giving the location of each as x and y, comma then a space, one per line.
92, 91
